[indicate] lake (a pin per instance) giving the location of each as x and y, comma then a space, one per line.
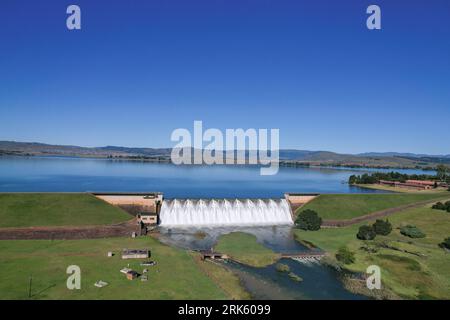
64, 174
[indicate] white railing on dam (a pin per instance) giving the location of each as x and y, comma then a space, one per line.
225, 212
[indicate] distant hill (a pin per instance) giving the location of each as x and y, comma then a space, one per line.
34, 148
287, 156
399, 154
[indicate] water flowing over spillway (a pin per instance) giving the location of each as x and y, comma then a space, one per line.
225, 212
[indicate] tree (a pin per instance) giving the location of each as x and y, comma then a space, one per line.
366, 233
308, 220
345, 256
382, 227
439, 206
442, 206
412, 232
442, 172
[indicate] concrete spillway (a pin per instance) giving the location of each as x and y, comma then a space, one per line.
225, 212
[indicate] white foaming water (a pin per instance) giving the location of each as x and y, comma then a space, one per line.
225, 212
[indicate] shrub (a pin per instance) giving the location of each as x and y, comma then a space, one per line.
281, 267
366, 233
442, 206
308, 220
382, 227
412, 232
345, 256
445, 244
439, 206
295, 277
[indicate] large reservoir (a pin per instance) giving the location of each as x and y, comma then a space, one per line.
56, 174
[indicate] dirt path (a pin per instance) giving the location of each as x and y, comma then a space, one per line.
373, 215
66, 233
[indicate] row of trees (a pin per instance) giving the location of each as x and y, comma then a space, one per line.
384, 228
443, 172
389, 176
442, 206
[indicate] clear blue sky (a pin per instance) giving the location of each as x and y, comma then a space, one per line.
139, 69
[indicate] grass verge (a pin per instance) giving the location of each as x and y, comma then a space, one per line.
244, 248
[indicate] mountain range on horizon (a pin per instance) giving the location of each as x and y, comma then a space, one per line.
36, 148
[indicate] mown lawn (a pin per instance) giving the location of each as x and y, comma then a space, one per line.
423, 272
56, 209
347, 206
176, 276
244, 248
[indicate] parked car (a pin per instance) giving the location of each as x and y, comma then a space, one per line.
148, 263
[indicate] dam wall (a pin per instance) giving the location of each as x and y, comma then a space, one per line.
225, 212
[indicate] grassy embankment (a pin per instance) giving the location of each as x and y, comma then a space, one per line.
244, 248
399, 190
410, 268
56, 209
347, 206
176, 276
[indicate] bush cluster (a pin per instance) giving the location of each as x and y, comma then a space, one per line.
442, 206
281, 267
345, 256
380, 227
445, 244
412, 232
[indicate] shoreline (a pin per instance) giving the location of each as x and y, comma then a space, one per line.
397, 190
164, 160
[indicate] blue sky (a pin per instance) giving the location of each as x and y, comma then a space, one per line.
139, 69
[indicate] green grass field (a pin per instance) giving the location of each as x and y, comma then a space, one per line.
420, 273
347, 206
56, 209
176, 276
244, 248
